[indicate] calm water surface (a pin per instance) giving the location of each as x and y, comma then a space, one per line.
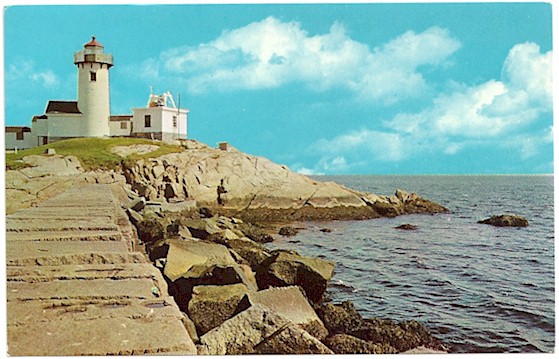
478, 288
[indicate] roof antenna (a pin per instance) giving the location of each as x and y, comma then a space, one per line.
151, 89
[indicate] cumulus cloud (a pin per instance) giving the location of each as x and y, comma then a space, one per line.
271, 53
500, 112
528, 72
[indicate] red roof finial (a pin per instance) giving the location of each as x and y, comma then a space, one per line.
93, 42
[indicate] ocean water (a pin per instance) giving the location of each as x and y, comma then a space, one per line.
477, 287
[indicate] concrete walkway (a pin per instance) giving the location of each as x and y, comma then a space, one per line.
76, 287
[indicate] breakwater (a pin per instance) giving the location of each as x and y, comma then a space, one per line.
76, 286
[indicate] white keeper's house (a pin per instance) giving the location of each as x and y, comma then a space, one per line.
90, 115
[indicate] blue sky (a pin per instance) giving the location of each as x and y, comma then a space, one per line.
323, 88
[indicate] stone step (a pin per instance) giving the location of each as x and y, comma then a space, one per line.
78, 206
66, 210
78, 258
74, 287
105, 336
69, 235
94, 289
78, 201
36, 250
62, 215
44, 225
32, 274
20, 313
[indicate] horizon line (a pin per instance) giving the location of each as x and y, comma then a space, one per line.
434, 174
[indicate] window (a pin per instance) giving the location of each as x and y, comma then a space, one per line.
147, 121
19, 135
93, 76
174, 121
123, 125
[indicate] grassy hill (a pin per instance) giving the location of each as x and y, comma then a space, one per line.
93, 153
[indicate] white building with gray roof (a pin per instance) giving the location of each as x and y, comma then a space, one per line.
90, 115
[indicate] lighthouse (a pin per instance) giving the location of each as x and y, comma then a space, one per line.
93, 88
90, 115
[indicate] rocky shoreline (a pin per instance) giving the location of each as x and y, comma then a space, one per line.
225, 283
202, 216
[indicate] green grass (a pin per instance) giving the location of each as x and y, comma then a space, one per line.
93, 153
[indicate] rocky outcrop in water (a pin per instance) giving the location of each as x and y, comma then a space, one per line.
407, 227
506, 220
350, 333
254, 188
288, 231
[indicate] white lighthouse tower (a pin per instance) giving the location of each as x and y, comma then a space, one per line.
93, 88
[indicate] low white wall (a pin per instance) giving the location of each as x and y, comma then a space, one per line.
11, 141
116, 129
65, 125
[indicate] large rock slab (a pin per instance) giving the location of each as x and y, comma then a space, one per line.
51, 165
190, 263
286, 268
202, 228
141, 149
291, 340
212, 305
23, 192
196, 259
254, 253
259, 330
291, 303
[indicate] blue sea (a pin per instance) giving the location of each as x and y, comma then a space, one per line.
478, 288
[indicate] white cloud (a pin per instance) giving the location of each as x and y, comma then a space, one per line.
298, 168
392, 69
528, 71
272, 53
27, 71
528, 145
460, 113
149, 70
383, 146
498, 112
48, 78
